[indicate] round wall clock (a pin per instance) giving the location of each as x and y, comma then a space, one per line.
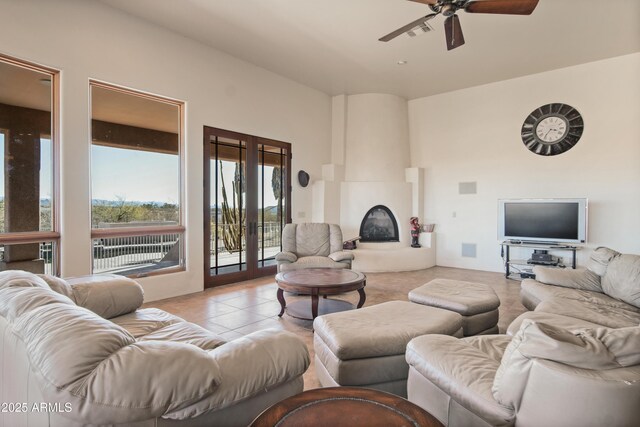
552, 129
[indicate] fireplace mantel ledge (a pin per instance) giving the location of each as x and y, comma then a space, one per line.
389, 257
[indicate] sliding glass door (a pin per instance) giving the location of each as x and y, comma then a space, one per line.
247, 193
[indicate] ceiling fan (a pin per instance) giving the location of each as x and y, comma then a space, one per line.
452, 28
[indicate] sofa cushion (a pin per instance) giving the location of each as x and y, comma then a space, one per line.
564, 322
335, 238
593, 349
341, 256
249, 366
188, 333
313, 262
461, 370
21, 279
146, 379
491, 345
312, 239
58, 285
66, 342
605, 315
537, 292
569, 278
145, 321
286, 257
107, 295
15, 301
599, 260
622, 279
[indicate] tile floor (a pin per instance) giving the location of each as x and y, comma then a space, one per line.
241, 308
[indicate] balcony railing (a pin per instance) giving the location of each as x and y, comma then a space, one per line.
135, 254
269, 238
46, 250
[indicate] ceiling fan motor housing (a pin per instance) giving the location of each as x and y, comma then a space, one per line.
448, 9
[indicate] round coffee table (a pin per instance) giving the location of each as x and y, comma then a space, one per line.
316, 282
345, 406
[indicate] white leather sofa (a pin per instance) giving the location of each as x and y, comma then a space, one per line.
542, 376
84, 350
604, 294
573, 361
312, 245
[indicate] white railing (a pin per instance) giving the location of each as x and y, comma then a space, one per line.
269, 239
118, 254
46, 254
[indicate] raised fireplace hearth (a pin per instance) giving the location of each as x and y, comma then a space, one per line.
379, 225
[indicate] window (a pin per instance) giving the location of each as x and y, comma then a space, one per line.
136, 216
29, 237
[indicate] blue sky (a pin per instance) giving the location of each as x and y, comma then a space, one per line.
132, 175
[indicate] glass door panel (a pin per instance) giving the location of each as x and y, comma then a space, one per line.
272, 177
246, 204
227, 209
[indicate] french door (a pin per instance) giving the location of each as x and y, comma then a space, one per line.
247, 195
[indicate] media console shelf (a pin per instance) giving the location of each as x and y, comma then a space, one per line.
508, 262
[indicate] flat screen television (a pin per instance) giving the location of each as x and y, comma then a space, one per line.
543, 220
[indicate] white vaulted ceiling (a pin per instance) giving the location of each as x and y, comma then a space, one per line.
332, 45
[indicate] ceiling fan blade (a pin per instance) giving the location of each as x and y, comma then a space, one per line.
432, 2
392, 35
453, 32
505, 7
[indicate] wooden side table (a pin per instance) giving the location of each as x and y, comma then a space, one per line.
345, 407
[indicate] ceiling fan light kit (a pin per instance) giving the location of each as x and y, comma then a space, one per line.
448, 9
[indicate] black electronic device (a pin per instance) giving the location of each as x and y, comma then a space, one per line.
543, 256
553, 261
527, 275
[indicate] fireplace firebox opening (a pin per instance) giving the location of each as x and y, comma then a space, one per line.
379, 225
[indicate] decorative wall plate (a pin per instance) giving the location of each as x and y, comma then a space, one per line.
552, 129
303, 178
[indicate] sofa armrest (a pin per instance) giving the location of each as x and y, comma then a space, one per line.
286, 257
252, 365
108, 295
569, 278
341, 256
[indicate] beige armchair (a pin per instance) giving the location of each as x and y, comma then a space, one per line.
312, 245
84, 348
543, 376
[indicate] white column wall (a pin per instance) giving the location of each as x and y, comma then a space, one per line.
377, 138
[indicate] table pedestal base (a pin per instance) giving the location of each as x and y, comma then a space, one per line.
302, 309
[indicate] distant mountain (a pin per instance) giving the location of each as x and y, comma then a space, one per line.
129, 203
43, 202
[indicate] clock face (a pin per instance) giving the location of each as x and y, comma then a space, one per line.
552, 129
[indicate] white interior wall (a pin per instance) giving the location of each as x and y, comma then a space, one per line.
86, 39
377, 140
473, 135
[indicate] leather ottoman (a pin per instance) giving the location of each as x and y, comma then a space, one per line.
366, 347
476, 302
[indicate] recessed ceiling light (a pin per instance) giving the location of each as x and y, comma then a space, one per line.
402, 62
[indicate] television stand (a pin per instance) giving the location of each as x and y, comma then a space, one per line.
508, 262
